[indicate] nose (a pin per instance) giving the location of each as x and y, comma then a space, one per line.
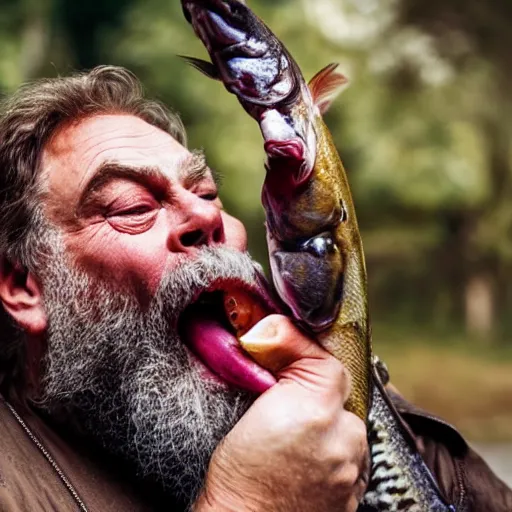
199, 223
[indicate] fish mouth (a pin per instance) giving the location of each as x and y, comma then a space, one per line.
220, 23
247, 57
224, 7
211, 325
255, 66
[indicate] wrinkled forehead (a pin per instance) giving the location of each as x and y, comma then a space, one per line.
78, 150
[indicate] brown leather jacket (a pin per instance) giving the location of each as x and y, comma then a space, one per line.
464, 479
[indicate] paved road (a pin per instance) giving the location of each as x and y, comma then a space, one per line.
499, 457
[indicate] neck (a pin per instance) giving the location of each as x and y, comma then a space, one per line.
33, 367
22, 381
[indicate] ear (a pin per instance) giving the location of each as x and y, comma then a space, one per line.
326, 85
20, 294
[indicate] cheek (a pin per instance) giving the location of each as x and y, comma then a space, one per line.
236, 235
136, 262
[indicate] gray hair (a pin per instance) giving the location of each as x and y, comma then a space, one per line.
28, 120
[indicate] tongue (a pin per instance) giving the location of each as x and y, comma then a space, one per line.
220, 351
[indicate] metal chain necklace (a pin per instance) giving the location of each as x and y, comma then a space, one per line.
48, 457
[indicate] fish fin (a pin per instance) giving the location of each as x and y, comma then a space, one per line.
326, 85
207, 68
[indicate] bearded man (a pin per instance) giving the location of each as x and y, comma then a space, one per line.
112, 239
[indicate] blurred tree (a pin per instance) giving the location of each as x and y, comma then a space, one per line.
476, 35
432, 122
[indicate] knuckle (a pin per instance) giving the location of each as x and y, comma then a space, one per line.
282, 320
338, 376
286, 327
351, 444
351, 465
347, 476
282, 329
355, 436
320, 416
357, 428
343, 471
337, 370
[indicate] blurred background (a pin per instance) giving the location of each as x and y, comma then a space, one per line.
425, 133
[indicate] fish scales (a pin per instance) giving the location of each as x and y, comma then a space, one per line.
349, 337
399, 479
315, 249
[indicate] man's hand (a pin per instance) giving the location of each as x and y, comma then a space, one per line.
296, 449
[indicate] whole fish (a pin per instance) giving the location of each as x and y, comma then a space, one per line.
315, 248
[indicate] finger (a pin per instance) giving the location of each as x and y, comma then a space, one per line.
354, 434
275, 343
278, 345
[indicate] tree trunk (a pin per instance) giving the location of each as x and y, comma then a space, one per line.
35, 37
479, 305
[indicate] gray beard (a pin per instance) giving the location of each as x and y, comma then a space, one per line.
123, 377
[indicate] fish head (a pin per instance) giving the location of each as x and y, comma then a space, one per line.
300, 203
309, 278
255, 66
313, 239
246, 56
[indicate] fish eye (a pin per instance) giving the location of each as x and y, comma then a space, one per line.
320, 246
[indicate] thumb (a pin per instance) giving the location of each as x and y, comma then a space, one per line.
281, 347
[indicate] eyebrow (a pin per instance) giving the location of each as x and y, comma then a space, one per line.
109, 171
194, 168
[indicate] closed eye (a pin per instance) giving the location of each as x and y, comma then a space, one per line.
134, 220
135, 210
210, 196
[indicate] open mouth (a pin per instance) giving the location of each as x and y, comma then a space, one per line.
211, 326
